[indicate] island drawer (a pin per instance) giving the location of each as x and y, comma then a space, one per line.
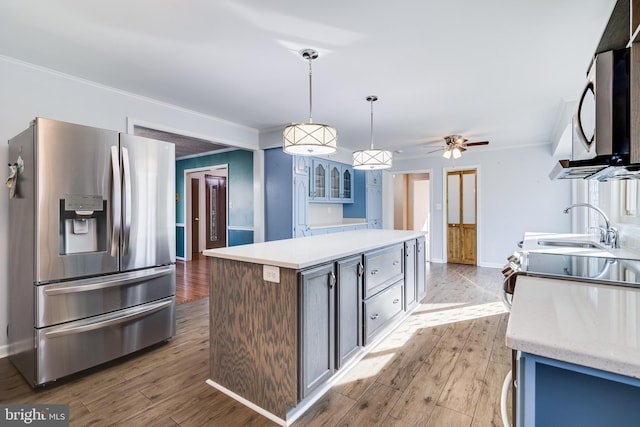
381, 309
382, 267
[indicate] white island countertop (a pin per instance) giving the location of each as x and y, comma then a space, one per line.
588, 324
305, 252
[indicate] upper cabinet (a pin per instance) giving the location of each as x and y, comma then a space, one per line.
623, 27
635, 20
330, 182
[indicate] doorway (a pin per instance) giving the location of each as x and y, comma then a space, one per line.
461, 216
412, 204
199, 228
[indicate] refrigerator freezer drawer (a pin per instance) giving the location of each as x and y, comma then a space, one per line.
65, 349
67, 301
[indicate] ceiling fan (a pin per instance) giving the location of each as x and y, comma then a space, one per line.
455, 145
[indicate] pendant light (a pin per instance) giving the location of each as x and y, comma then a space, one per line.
372, 158
309, 139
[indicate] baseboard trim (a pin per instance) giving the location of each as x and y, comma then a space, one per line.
4, 351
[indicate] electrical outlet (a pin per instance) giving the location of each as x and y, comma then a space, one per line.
271, 273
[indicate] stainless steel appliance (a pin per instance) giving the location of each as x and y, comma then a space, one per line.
92, 247
606, 140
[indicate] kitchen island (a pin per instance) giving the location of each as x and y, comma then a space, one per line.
289, 317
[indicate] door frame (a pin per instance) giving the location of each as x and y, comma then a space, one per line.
429, 171
479, 209
188, 215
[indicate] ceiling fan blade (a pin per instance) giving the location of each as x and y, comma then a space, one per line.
434, 151
471, 144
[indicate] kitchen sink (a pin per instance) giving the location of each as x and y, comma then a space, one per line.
570, 244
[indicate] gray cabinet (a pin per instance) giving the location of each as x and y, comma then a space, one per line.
382, 268
317, 327
421, 274
410, 276
381, 309
415, 283
383, 284
348, 313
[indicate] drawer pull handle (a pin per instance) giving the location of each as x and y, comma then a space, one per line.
396, 262
374, 271
397, 300
374, 316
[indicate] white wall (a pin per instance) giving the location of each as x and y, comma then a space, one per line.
515, 195
27, 91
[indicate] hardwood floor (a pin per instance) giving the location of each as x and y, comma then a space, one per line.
192, 279
443, 366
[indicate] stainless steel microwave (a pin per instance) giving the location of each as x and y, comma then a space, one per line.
602, 120
606, 125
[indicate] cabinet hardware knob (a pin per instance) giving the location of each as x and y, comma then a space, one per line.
396, 262
374, 272
397, 300
374, 316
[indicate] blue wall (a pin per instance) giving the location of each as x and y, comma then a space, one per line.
357, 209
278, 198
239, 193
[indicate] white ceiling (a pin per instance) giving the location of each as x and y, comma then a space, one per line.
498, 70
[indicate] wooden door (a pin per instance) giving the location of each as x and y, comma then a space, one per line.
195, 215
461, 217
216, 199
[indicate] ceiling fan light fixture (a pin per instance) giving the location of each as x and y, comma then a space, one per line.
447, 154
372, 159
308, 139
456, 153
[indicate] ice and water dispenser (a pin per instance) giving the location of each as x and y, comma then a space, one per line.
83, 224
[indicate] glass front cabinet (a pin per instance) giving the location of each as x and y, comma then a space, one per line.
331, 182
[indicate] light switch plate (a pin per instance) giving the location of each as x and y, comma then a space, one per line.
271, 273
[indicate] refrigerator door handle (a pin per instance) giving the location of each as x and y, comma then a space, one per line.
116, 200
132, 314
94, 286
126, 208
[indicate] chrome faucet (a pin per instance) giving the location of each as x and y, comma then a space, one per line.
608, 236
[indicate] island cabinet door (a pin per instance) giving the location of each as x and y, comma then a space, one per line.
317, 327
349, 309
421, 265
410, 284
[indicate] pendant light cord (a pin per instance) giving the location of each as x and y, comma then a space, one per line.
310, 93
371, 101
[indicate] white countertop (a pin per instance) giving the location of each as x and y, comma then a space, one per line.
587, 324
304, 252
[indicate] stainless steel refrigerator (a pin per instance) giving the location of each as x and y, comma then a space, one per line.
91, 247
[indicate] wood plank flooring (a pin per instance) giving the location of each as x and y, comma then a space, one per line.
443, 366
192, 279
